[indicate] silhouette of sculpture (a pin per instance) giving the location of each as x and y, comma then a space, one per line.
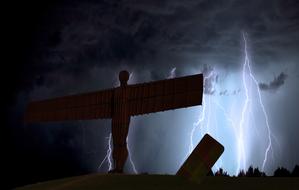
120, 104
201, 160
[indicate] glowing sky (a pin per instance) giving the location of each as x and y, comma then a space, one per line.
79, 46
234, 113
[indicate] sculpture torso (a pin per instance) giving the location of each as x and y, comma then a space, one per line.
120, 123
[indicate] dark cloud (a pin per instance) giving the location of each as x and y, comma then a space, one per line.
78, 46
144, 34
275, 84
223, 93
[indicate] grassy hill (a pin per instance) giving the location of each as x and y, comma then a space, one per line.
159, 182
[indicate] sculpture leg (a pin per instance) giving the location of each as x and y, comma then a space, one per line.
120, 131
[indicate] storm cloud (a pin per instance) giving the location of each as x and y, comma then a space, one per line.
80, 46
139, 35
275, 84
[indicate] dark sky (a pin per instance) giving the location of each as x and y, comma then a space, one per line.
64, 47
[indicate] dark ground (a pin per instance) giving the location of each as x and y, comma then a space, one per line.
157, 182
20, 26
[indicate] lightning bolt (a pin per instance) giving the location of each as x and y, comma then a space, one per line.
247, 64
196, 124
172, 73
241, 148
130, 158
246, 115
129, 151
109, 150
205, 115
202, 117
108, 154
233, 125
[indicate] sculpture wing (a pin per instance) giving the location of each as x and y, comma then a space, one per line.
75, 107
165, 94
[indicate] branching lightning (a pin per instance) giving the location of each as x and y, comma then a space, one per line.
201, 118
108, 154
245, 114
234, 126
130, 158
247, 62
239, 126
109, 149
241, 149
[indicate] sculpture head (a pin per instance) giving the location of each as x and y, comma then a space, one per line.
123, 77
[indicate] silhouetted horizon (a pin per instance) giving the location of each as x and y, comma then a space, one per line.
255, 172
247, 52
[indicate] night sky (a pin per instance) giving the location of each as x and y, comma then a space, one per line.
58, 48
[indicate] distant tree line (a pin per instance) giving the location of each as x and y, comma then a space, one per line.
255, 172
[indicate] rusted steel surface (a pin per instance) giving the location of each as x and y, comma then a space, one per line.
202, 159
85, 106
120, 126
165, 95
141, 99
119, 104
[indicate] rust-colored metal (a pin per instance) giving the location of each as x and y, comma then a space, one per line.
201, 160
120, 104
